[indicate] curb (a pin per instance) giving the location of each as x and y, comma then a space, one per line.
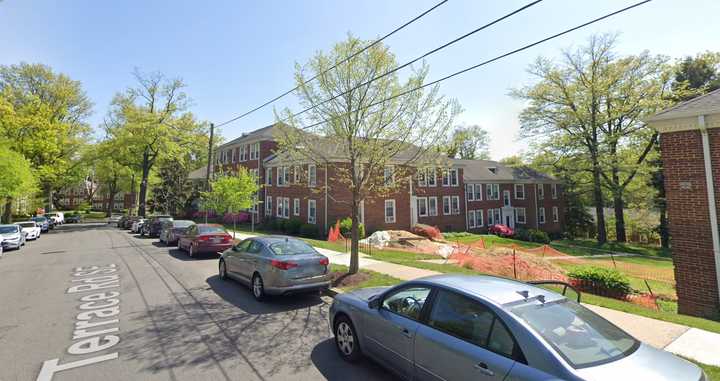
332, 292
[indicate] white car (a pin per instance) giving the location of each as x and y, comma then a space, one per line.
31, 229
58, 217
137, 225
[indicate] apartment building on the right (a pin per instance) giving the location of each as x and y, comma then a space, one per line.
518, 197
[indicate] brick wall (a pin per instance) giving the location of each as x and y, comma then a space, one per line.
689, 219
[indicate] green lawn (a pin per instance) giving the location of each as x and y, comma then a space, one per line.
580, 244
376, 279
713, 372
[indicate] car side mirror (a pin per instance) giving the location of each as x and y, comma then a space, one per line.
374, 303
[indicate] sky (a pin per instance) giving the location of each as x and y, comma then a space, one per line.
234, 55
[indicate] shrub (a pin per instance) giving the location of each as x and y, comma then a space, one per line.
309, 230
293, 225
522, 234
428, 231
346, 226
531, 235
608, 279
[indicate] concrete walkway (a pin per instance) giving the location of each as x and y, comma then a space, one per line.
693, 343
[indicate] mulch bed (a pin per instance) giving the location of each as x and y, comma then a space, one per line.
343, 279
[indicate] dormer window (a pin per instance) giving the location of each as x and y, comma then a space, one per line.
493, 170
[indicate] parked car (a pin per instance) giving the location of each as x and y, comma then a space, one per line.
171, 230
462, 327
137, 225
12, 236
121, 221
205, 238
275, 265
30, 228
43, 223
114, 218
57, 217
73, 218
501, 230
151, 228
128, 222
51, 223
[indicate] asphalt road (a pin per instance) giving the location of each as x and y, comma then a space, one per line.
92, 302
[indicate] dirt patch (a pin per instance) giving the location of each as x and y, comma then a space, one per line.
507, 262
343, 279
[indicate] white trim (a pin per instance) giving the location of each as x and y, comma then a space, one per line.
553, 191
712, 205
455, 200
541, 215
296, 207
389, 181
312, 219
449, 206
481, 222
507, 193
541, 191
470, 192
434, 177
312, 180
519, 186
517, 215
471, 219
393, 218
425, 200
433, 212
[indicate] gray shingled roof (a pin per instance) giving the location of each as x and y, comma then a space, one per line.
702, 105
261, 133
489, 171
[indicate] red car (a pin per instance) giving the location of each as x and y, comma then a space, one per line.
205, 238
501, 230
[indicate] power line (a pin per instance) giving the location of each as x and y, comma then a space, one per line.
528, 46
335, 65
441, 47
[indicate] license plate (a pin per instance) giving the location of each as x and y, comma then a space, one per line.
216, 240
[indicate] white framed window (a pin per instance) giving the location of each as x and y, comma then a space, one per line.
432, 206
296, 207
422, 206
389, 211
471, 219
506, 198
553, 191
389, 175
446, 205
478, 218
279, 207
243, 153
555, 214
470, 192
455, 204
520, 216
494, 216
268, 176
445, 177
281, 172
431, 177
541, 191
478, 192
312, 175
422, 177
519, 191
312, 212
268, 205
255, 151
296, 174
286, 207
454, 179
492, 191
541, 215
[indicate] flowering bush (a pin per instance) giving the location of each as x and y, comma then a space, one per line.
428, 231
501, 230
201, 214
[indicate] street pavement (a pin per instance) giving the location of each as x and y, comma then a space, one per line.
93, 302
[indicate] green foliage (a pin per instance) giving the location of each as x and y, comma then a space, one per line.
346, 226
697, 75
309, 230
17, 178
609, 279
469, 142
231, 193
293, 226
531, 235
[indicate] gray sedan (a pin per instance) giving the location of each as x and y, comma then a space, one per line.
12, 236
275, 265
462, 327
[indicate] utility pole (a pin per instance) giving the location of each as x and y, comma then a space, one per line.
209, 163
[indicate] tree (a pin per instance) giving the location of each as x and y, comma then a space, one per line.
513, 161
590, 107
150, 123
696, 76
112, 175
173, 192
43, 117
361, 124
17, 179
469, 142
231, 193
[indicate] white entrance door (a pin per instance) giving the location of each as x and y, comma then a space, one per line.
413, 211
508, 216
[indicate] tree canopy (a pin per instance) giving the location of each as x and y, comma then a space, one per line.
469, 142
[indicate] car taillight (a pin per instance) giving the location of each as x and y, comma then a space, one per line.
282, 265
324, 261
226, 239
203, 238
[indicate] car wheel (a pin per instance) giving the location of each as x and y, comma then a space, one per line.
346, 340
258, 288
222, 270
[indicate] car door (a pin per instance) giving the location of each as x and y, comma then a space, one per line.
390, 330
463, 340
234, 258
187, 238
251, 259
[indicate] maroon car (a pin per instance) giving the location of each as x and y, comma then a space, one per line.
205, 238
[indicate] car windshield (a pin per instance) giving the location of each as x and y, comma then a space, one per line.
291, 247
27, 224
40, 219
8, 229
182, 223
211, 229
582, 337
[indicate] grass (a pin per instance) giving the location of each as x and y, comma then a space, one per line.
713, 372
376, 279
633, 248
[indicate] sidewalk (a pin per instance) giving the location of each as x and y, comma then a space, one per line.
675, 338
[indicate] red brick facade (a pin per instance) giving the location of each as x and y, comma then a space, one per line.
689, 218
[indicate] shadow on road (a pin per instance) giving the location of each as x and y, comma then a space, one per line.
77, 227
183, 255
240, 296
325, 358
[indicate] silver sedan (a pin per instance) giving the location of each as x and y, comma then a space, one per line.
462, 327
275, 265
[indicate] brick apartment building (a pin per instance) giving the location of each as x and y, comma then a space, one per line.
690, 148
463, 195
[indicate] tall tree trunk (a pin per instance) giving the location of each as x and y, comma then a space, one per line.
354, 238
111, 203
619, 206
49, 194
144, 185
599, 202
7, 213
